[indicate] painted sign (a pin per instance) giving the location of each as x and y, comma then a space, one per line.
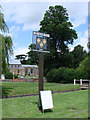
41, 43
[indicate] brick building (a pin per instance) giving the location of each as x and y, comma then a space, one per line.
18, 68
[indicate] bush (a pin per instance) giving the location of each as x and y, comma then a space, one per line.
51, 75
15, 76
81, 73
61, 75
69, 75
8, 75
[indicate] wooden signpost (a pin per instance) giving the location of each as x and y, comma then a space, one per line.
45, 97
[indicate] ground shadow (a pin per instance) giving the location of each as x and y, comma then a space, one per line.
35, 103
48, 110
6, 92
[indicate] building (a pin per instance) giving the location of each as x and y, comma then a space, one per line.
19, 69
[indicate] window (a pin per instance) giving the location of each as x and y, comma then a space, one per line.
18, 71
11, 65
31, 71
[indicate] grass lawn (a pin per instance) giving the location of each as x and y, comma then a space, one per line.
66, 105
20, 88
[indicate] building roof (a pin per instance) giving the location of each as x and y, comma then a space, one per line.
33, 66
14, 62
17, 62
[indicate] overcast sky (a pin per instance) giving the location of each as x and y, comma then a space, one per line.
24, 17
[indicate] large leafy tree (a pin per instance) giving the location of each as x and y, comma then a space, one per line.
56, 23
5, 45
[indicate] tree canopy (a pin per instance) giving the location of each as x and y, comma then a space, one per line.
56, 23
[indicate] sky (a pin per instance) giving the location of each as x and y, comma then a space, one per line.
23, 17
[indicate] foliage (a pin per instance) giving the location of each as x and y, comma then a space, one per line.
8, 75
21, 57
56, 23
33, 57
6, 45
3, 26
51, 76
79, 54
61, 75
85, 65
67, 75
6, 52
15, 76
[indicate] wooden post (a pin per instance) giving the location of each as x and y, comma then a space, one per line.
13, 77
41, 72
80, 81
74, 81
40, 84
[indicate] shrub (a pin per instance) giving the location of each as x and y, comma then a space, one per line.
69, 75
60, 75
15, 76
66, 75
8, 75
51, 75
81, 73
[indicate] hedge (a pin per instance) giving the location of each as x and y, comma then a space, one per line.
66, 75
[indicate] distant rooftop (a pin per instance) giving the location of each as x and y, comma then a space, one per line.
14, 62
30, 66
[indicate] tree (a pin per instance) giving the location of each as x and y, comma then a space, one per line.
56, 23
3, 26
21, 57
33, 57
5, 45
6, 52
79, 54
85, 64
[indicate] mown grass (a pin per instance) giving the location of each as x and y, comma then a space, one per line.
26, 107
20, 88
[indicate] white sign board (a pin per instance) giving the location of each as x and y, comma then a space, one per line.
2, 77
46, 99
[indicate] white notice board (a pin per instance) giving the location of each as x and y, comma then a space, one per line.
46, 99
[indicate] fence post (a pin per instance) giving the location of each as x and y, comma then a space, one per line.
80, 81
74, 81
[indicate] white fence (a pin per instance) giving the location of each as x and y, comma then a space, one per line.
81, 81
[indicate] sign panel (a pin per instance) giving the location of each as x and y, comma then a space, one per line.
40, 34
46, 99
